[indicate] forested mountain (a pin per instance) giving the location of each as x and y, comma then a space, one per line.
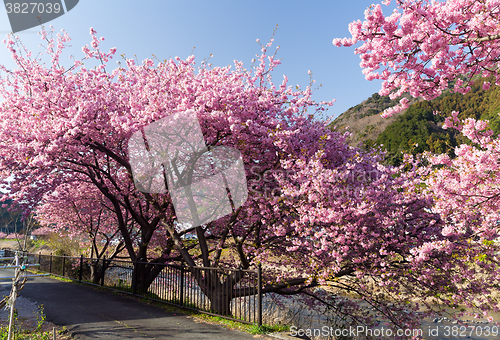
419, 129
364, 121
10, 221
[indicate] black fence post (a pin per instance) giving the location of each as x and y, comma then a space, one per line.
39, 260
80, 273
50, 264
181, 293
64, 265
134, 278
103, 271
108, 264
259, 295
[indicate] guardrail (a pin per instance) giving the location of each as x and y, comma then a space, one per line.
233, 294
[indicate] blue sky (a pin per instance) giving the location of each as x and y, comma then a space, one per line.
228, 30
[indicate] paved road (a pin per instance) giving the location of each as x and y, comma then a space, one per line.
90, 313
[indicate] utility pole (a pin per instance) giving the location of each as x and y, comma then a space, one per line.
17, 283
13, 296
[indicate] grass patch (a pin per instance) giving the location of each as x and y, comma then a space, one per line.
50, 276
40, 332
59, 278
25, 334
254, 329
231, 324
226, 323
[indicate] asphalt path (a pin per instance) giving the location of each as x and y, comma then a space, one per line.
90, 313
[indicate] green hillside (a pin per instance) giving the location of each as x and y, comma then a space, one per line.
419, 129
10, 221
363, 120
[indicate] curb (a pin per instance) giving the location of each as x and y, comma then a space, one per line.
282, 336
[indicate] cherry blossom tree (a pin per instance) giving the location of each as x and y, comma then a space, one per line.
467, 184
42, 231
466, 192
60, 147
79, 210
424, 47
14, 236
29, 224
318, 210
80, 121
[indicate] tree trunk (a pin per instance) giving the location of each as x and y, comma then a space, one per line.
220, 301
93, 272
97, 271
218, 285
144, 274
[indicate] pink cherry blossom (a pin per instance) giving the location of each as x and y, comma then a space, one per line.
424, 46
319, 211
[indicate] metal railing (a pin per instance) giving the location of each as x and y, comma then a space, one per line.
233, 294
